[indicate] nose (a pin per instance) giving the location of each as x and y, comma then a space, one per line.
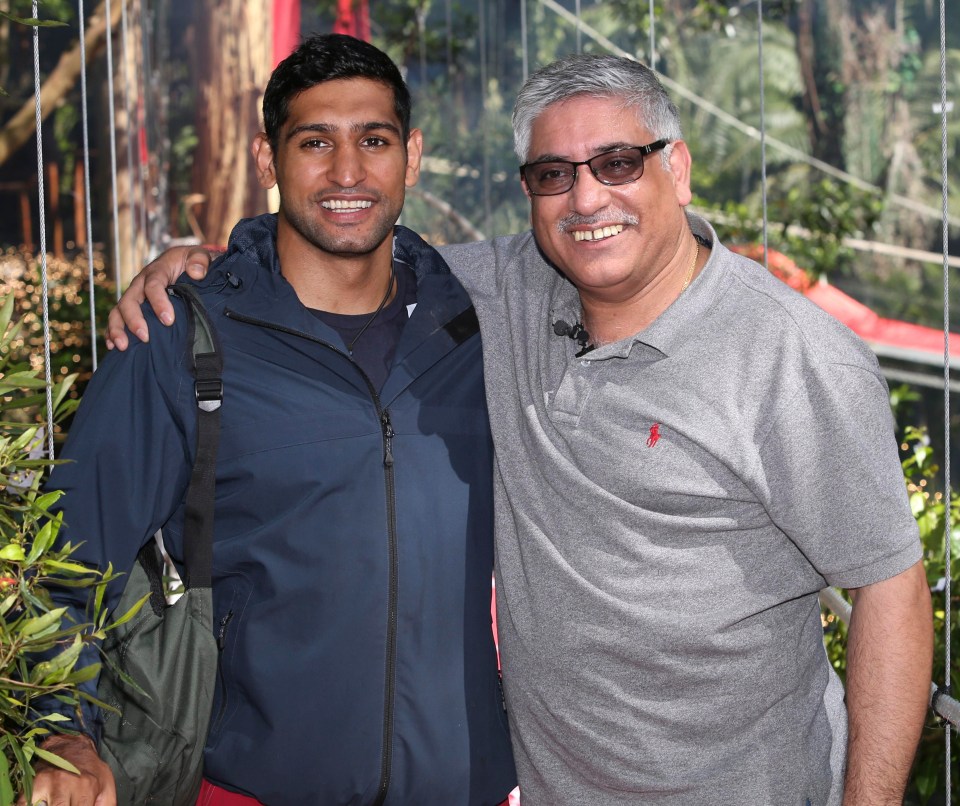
346, 167
588, 193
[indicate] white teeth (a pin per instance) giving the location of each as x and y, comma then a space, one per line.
598, 234
340, 204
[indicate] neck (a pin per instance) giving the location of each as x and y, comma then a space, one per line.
336, 283
609, 319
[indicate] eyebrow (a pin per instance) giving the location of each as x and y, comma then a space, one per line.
356, 128
600, 149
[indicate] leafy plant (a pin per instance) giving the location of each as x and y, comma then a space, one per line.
929, 509
39, 645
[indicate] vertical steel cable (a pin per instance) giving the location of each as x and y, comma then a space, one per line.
579, 32
653, 38
91, 288
763, 133
111, 125
523, 39
131, 128
44, 282
482, 42
947, 528
142, 129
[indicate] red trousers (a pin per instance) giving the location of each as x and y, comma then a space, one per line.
211, 795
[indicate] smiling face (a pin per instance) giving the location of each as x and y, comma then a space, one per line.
342, 169
611, 241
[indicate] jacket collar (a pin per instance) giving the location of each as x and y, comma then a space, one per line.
442, 319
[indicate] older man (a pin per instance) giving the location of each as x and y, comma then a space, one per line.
687, 452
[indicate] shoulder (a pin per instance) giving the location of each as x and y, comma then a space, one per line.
483, 266
774, 313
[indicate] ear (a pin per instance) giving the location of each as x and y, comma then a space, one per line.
526, 190
414, 154
680, 162
263, 161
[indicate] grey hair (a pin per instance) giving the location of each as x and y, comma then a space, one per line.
633, 83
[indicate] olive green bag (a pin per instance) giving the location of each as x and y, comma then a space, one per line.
154, 742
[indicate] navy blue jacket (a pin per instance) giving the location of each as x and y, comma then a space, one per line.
353, 544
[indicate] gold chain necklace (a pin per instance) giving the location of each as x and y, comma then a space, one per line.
693, 265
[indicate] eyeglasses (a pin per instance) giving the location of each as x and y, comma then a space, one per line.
618, 167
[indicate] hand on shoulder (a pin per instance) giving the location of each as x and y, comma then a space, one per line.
150, 285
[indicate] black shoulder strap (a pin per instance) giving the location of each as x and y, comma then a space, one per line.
207, 372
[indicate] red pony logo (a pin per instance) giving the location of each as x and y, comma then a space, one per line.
654, 435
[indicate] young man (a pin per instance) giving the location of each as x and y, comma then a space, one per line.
353, 526
687, 452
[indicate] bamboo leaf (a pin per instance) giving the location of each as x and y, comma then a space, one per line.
45, 537
6, 787
54, 759
37, 624
13, 552
135, 608
33, 22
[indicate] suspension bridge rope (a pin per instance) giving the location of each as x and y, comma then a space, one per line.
113, 149
44, 280
947, 530
85, 126
763, 137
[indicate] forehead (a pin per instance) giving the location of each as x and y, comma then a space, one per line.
343, 102
584, 125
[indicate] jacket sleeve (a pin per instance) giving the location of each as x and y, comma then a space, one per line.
129, 456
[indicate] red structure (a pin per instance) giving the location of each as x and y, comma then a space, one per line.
353, 19
873, 329
286, 28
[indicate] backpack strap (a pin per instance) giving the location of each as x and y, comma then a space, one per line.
207, 366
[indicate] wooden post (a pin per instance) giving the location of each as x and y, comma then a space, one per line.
79, 207
53, 192
26, 216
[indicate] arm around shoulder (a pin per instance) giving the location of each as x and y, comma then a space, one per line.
150, 285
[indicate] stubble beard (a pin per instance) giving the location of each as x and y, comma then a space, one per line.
347, 241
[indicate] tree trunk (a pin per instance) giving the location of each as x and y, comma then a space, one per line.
233, 59
22, 125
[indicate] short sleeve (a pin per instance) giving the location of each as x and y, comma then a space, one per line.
834, 479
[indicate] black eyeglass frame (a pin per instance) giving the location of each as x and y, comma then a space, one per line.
657, 145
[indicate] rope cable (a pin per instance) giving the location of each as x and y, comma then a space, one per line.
85, 126
653, 37
44, 280
523, 39
484, 139
130, 129
143, 131
112, 117
947, 527
763, 136
579, 28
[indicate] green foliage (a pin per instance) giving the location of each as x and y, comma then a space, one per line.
929, 508
39, 645
928, 504
808, 223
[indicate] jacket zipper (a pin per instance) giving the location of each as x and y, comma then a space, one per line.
387, 434
221, 643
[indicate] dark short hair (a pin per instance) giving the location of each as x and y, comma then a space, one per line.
328, 57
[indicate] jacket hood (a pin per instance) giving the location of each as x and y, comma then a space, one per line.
258, 236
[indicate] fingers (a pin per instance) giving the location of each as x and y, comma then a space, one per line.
150, 286
197, 262
94, 786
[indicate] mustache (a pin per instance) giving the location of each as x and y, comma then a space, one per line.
608, 217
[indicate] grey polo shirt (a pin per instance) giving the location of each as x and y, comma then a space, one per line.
668, 507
